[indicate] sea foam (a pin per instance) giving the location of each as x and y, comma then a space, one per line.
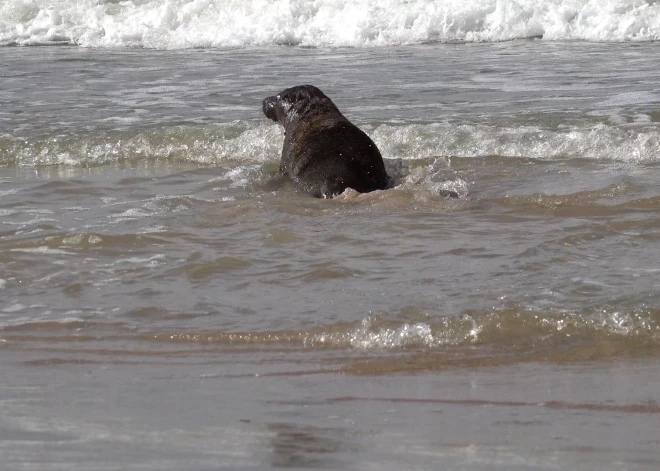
176, 24
259, 144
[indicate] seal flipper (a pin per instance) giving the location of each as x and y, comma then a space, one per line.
333, 186
448, 193
329, 188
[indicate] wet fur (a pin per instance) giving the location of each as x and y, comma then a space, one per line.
323, 152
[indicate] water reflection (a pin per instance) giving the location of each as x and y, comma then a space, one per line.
308, 447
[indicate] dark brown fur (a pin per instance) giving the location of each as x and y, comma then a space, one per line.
323, 153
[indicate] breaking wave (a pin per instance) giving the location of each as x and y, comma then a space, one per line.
180, 24
262, 143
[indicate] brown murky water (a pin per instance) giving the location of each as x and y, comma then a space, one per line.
168, 302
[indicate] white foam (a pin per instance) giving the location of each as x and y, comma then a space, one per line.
241, 177
404, 335
234, 140
598, 142
421, 179
14, 308
153, 261
212, 23
372, 335
13, 191
258, 144
42, 250
30, 222
365, 338
80, 239
132, 214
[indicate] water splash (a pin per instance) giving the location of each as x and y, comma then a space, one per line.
180, 24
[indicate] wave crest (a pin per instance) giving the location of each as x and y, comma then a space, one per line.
178, 24
262, 143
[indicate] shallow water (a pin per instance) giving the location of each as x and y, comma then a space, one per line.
167, 300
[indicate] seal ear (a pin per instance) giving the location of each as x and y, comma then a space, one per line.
269, 107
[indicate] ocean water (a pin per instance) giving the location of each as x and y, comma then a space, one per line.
167, 301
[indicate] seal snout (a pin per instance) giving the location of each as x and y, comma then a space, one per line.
269, 107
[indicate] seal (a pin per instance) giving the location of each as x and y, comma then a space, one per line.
323, 153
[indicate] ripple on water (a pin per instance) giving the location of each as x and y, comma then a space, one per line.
376, 345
